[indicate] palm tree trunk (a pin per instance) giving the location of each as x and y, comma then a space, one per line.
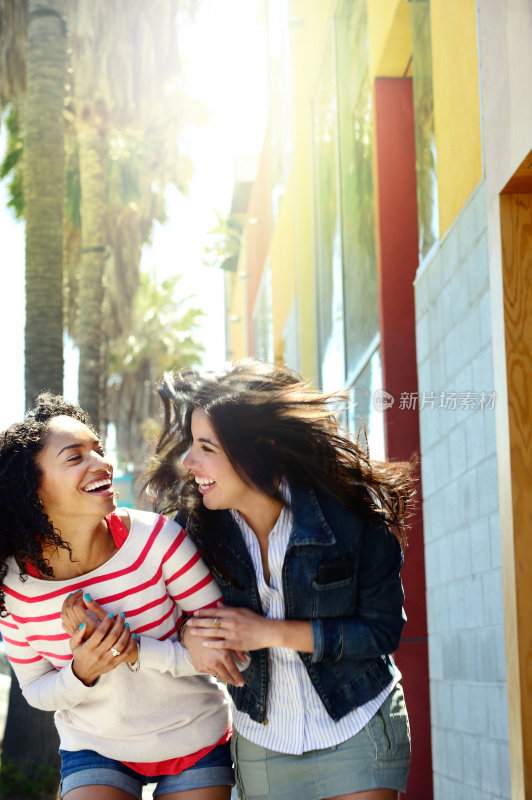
92, 153
30, 737
43, 193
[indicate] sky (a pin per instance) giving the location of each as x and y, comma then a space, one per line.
225, 54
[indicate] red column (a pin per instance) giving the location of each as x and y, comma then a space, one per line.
397, 239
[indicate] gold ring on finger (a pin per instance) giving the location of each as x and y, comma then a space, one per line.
217, 622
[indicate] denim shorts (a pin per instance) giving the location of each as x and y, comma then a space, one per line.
87, 768
377, 757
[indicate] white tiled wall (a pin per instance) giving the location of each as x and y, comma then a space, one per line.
462, 547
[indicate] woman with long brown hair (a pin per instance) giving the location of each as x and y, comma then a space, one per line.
303, 533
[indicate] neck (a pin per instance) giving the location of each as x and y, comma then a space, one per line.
261, 514
91, 546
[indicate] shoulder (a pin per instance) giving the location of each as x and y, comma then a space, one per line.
13, 574
329, 508
148, 525
136, 518
346, 526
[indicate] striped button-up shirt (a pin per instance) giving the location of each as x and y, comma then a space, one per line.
297, 719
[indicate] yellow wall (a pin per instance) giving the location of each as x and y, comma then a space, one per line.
308, 36
390, 38
282, 261
235, 302
455, 70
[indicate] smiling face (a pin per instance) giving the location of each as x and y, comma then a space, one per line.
218, 482
76, 477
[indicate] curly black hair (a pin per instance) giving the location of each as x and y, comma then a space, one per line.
270, 423
24, 528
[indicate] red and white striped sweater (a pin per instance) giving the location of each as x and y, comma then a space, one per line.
162, 711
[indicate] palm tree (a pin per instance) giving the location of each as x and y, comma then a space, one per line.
33, 53
43, 168
13, 35
126, 90
127, 107
32, 78
160, 338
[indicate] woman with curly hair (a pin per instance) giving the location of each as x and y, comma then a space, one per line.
303, 533
131, 708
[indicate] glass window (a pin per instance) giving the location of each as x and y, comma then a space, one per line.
262, 319
280, 90
355, 118
427, 187
365, 415
328, 251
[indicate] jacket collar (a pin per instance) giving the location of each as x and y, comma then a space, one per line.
309, 525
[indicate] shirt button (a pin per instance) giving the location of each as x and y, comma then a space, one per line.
265, 722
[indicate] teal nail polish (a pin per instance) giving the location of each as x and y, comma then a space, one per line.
111, 615
135, 636
81, 626
122, 615
127, 624
70, 595
87, 597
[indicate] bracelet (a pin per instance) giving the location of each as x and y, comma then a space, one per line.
181, 629
136, 666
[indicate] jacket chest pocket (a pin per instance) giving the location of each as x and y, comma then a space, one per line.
334, 598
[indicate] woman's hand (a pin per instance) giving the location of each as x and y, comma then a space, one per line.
110, 644
242, 629
77, 610
219, 663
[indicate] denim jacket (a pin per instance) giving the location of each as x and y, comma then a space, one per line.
341, 573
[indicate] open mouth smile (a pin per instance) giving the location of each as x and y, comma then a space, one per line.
204, 484
102, 486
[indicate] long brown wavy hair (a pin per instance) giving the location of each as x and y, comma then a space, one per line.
270, 423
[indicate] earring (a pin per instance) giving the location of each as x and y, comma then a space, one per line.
39, 504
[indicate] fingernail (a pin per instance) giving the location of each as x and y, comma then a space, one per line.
111, 615
122, 615
127, 624
81, 626
87, 597
70, 595
135, 636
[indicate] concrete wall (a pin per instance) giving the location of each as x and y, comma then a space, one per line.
460, 506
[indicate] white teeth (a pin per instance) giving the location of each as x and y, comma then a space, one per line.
91, 487
204, 481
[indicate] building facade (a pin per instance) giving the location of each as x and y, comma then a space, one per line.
387, 247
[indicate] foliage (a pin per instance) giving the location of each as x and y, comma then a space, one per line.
224, 244
160, 338
12, 163
13, 29
159, 331
18, 784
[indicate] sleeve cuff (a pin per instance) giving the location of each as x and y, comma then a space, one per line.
77, 690
165, 656
328, 640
